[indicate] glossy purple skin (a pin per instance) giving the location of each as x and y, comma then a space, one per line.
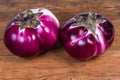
83, 44
29, 42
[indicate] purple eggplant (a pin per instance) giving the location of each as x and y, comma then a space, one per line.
32, 32
87, 35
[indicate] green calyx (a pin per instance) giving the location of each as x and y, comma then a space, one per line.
89, 21
28, 19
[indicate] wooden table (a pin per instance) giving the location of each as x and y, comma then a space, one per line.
57, 64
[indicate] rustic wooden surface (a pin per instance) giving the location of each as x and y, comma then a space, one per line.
57, 64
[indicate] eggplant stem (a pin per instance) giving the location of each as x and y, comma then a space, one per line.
90, 21
28, 19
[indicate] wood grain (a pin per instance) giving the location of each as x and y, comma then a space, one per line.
57, 64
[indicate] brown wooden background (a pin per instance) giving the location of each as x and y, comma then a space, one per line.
57, 64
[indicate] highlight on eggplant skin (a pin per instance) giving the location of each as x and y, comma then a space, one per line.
87, 35
32, 32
